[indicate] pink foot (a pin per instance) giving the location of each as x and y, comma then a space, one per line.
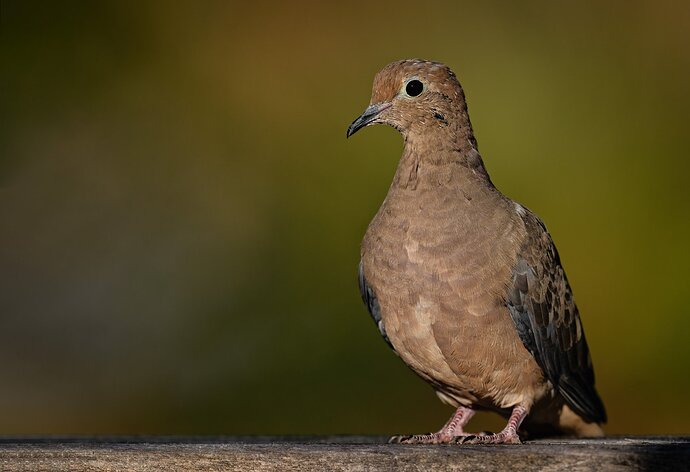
449, 433
507, 436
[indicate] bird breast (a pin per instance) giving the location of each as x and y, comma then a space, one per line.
440, 279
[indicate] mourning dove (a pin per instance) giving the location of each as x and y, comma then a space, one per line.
464, 284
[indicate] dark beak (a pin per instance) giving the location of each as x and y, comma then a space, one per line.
367, 117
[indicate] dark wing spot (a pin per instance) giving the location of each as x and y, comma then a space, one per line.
440, 118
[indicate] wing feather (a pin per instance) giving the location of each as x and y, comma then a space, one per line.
547, 320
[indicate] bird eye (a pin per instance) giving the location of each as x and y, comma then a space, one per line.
414, 87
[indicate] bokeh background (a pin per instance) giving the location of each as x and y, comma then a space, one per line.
180, 212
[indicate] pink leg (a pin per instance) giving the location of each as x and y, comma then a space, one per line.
507, 436
452, 430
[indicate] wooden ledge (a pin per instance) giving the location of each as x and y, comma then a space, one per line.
352, 453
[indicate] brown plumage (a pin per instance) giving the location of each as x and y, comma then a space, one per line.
464, 284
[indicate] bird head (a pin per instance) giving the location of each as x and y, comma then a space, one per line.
414, 95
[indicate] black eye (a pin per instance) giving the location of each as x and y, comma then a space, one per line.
414, 88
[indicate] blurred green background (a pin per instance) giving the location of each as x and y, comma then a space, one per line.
181, 212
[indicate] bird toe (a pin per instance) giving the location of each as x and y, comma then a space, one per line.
399, 439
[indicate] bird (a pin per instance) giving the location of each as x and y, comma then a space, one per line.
464, 284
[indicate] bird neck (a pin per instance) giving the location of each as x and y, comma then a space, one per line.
436, 149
